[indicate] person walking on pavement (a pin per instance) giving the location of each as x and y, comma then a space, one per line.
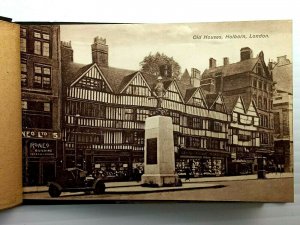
187, 174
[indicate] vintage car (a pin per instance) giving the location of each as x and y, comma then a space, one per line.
75, 180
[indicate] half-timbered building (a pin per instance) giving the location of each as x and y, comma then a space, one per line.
105, 110
251, 78
243, 135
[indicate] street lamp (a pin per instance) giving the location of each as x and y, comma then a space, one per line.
76, 131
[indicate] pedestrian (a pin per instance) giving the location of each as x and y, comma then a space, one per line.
187, 174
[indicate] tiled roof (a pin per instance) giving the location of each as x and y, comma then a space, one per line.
230, 102
210, 99
284, 78
189, 93
115, 76
231, 69
72, 71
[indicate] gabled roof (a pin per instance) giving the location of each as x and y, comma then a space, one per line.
185, 78
117, 78
126, 80
189, 93
230, 102
72, 71
210, 99
231, 69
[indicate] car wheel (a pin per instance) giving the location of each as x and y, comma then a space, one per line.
100, 188
54, 192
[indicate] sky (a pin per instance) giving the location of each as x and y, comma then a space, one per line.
130, 43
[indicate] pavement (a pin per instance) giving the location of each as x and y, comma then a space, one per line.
193, 183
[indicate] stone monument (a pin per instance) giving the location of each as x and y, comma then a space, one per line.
159, 156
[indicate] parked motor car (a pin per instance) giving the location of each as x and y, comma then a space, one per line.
75, 180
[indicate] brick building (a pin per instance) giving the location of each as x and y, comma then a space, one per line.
283, 114
41, 102
251, 79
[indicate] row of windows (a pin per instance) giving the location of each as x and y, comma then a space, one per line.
261, 85
137, 90
41, 77
262, 103
92, 83
41, 43
136, 137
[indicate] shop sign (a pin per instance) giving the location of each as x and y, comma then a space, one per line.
41, 148
40, 134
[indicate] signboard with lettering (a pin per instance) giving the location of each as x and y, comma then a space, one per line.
152, 151
41, 148
40, 134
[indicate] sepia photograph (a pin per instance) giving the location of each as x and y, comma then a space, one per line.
157, 112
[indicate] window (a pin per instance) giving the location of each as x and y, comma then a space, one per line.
142, 114
92, 83
138, 138
265, 103
41, 43
23, 42
198, 102
215, 126
128, 137
24, 77
37, 115
259, 69
259, 102
23, 45
42, 77
175, 117
130, 114
260, 85
254, 83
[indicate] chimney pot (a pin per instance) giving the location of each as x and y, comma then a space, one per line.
226, 61
246, 53
212, 63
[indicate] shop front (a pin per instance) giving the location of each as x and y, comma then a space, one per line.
39, 157
201, 162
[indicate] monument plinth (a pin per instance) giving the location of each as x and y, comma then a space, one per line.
159, 157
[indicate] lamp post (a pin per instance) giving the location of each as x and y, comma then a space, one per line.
76, 132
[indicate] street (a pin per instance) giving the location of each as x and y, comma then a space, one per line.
264, 190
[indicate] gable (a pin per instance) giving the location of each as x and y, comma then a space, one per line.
137, 86
252, 110
239, 107
218, 105
197, 99
173, 93
92, 79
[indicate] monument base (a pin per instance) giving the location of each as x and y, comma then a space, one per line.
160, 180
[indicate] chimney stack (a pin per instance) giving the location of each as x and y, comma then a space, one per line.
225, 61
212, 63
100, 52
66, 52
246, 53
